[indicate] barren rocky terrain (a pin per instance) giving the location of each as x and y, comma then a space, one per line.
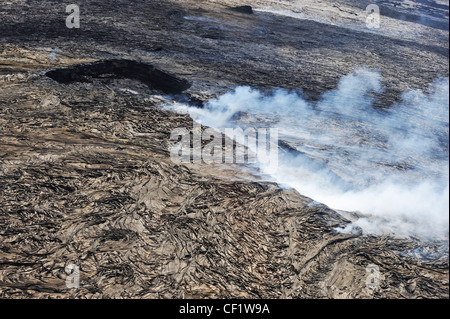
85, 172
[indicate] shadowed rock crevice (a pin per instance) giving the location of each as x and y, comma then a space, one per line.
143, 72
243, 9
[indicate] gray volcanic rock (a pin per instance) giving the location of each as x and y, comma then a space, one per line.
86, 176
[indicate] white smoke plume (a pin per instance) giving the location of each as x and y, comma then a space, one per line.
390, 164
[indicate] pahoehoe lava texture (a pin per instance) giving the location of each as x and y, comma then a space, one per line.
86, 176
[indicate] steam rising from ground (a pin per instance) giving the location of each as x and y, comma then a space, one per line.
391, 165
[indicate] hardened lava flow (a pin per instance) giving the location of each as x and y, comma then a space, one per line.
86, 177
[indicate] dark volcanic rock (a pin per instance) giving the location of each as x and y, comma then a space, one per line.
243, 9
143, 72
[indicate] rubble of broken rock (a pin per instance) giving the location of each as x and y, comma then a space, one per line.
86, 177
